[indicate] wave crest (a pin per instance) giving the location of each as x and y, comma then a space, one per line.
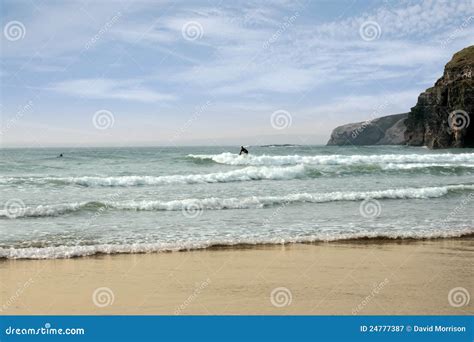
250, 173
336, 159
60, 252
253, 202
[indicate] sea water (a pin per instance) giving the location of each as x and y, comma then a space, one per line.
151, 199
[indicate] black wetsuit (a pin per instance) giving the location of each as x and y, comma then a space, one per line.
243, 151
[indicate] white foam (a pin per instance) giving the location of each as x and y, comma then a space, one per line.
393, 166
44, 210
336, 159
246, 174
253, 202
58, 252
266, 201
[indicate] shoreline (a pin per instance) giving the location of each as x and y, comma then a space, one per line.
342, 278
378, 239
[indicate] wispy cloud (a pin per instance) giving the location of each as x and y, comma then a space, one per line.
307, 55
250, 58
110, 89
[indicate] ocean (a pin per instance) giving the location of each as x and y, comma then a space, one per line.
152, 199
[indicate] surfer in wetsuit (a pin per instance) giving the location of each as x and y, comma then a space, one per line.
243, 150
60, 156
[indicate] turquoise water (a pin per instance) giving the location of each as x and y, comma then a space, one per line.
126, 200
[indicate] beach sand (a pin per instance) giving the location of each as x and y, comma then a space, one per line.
364, 278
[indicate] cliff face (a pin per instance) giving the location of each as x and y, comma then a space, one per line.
387, 130
441, 117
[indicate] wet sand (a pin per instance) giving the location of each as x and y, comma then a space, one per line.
364, 278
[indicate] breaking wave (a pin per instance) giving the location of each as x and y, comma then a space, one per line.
337, 159
249, 173
246, 174
60, 252
253, 202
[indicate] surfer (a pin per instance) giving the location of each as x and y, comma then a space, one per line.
243, 150
60, 156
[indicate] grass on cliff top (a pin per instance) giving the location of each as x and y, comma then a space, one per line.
462, 58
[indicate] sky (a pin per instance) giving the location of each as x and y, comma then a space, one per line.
132, 73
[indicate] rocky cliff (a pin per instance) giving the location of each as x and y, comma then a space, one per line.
387, 130
441, 117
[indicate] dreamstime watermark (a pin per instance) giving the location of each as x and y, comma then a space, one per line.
47, 329
459, 209
356, 132
376, 113
102, 297
192, 30
14, 208
374, 292
458, 120
370, 208
192, 209
275, 213
370, 30
194, 117
103, 30
14, 30
458, 297
457, 31
103, 119
106, 205
198, 289
281, 119
287, 22
281, 297
10, 301
22, 111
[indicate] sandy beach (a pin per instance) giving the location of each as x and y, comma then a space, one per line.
375, 277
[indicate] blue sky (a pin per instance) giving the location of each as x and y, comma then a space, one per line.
81, 73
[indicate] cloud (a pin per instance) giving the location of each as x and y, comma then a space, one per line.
363, 107
110, 89
321, 119
401, 19
307, 55
234, 55
251, 59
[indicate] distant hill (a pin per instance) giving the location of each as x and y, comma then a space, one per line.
386, 130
